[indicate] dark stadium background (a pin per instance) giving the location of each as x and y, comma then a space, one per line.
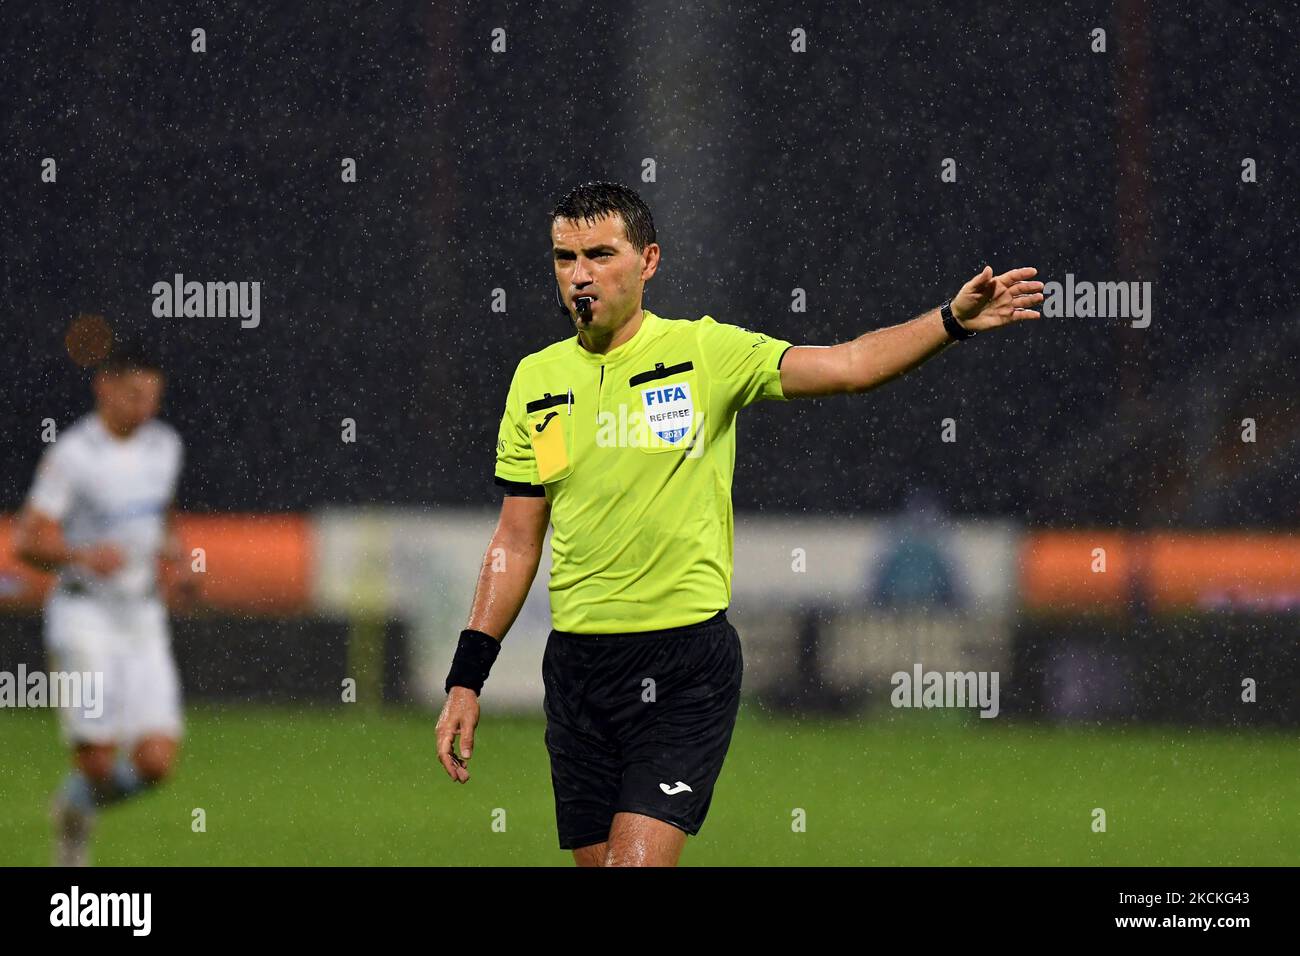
774, 171
375, 296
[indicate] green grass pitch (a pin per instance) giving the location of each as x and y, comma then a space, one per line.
348, 787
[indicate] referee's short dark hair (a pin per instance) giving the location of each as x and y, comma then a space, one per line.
130, 355
592, 201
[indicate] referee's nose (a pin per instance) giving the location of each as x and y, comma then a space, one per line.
581, 278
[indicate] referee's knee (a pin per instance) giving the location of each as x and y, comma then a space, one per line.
592, 855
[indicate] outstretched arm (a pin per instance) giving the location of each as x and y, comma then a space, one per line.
985, 302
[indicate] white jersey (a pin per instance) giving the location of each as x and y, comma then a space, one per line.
108, 490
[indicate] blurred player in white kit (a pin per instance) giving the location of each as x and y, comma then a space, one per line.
100, 515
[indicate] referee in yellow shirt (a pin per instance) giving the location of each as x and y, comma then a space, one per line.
622, 438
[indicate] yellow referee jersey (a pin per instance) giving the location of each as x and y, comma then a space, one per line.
635, 451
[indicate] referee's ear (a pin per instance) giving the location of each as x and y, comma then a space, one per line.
651, 255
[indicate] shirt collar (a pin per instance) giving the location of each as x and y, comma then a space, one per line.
100, 432
633, 347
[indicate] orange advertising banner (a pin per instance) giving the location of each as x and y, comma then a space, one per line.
1170, 569
260, 564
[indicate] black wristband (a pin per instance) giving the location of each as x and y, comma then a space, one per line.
475, 654
950, 323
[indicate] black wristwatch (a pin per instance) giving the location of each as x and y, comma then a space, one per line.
951, 325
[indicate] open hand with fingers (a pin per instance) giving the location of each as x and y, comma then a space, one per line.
988, 301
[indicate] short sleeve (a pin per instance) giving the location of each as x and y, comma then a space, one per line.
516, 465
52, 490
748, 362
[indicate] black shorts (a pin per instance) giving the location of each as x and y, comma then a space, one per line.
639, 723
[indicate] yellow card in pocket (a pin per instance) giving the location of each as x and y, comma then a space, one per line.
549, 446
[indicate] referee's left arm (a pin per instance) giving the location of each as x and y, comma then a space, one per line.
985, 302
